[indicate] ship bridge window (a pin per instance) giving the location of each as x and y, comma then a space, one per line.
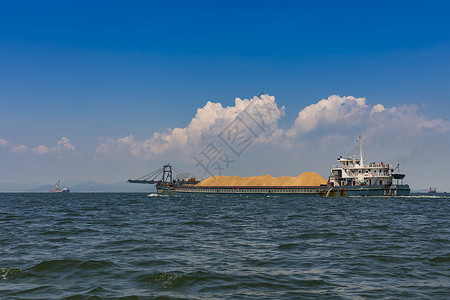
337, 173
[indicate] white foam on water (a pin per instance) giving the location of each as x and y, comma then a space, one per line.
157, 195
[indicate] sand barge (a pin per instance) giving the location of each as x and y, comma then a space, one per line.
304, 179
350, 178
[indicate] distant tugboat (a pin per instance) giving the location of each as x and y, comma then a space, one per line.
58, 189
432, 191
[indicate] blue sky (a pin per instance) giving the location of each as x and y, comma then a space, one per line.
96, 71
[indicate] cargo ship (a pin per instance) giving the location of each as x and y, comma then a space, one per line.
432, 190
58, 189
352, 177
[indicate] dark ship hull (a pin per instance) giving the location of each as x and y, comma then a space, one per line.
310, 191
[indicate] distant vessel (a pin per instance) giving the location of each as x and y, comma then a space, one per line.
58, 189
351, 178
432, 191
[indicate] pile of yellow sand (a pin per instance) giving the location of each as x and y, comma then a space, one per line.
304, 179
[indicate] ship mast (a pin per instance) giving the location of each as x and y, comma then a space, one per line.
361, 152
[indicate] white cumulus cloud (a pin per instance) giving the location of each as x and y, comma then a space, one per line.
353, 116
377, 108
41, 149
19, 149
63, 145
209, 121
334, 110
16, 149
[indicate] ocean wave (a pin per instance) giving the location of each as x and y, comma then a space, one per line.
69, 265
441, 258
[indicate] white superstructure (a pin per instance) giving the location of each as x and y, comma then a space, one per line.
353, 172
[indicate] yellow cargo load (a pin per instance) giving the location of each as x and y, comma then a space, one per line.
304, 179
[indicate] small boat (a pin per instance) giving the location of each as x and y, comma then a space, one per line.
58, 189
432, 191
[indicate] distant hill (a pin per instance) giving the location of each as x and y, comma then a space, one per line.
87, 186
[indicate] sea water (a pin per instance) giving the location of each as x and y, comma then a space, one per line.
139, 246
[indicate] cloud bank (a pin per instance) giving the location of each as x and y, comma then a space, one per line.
334, 110
329, 118
208, 123
62, 146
